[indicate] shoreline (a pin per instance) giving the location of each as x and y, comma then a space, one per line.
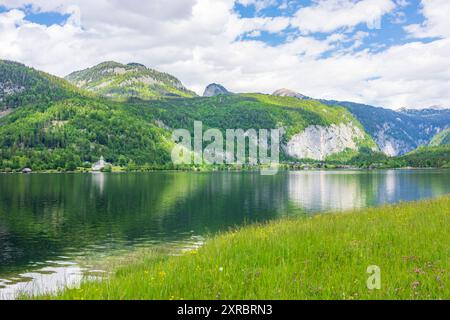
320, 257
230, 170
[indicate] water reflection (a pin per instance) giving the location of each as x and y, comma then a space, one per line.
318, 191
44, 280
43, 217
343, 190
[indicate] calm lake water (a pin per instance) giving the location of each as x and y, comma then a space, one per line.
52, 224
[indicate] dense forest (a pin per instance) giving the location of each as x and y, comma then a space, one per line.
20, 85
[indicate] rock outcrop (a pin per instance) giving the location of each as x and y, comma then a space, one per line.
289, 93
215, 89
318, 142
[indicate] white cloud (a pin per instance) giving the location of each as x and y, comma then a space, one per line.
270, 24
198, 41
402, 3
437, 21
330, 15
258, 4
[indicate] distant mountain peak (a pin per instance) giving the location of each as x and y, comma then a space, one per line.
289, 93
133, 80
435, 107
215, 89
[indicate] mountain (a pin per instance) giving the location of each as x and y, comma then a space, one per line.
398, 132
133, 80
47, 123
311, 129
215, 89
74, 129
20, 85
441, 139
395, 132
289, 93
426, 112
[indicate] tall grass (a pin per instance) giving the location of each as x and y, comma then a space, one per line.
321, 257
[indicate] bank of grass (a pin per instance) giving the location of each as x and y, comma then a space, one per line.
322, 257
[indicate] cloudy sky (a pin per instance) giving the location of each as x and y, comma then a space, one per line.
392, 53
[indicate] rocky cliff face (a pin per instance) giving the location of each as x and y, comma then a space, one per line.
215, 89
318, 142
7, 89
289, 93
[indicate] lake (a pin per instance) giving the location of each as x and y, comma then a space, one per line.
53, 225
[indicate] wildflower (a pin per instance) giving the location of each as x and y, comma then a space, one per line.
419, 271
221, 269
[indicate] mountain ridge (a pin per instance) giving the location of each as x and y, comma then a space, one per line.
124, 81
396, 132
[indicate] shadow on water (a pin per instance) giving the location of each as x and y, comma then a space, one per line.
49, 222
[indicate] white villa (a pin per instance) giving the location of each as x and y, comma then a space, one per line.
101, 164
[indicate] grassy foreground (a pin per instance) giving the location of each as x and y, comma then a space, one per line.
322, 257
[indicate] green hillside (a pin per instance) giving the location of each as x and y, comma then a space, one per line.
20, 85
47, 123
119, 81
67, 133
247, 111
70, 132
427, 157
441, 139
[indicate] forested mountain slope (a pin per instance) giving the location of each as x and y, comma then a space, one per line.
441, 139
124, 81
20, 85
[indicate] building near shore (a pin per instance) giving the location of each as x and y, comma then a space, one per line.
100, 165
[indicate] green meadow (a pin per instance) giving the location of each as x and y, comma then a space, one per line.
325, 256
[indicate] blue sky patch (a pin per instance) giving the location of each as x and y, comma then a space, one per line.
392, 30
43, 18
47, 18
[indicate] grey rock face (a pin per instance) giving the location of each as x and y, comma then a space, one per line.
289, 93
215, 89
318, 142
7, 88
